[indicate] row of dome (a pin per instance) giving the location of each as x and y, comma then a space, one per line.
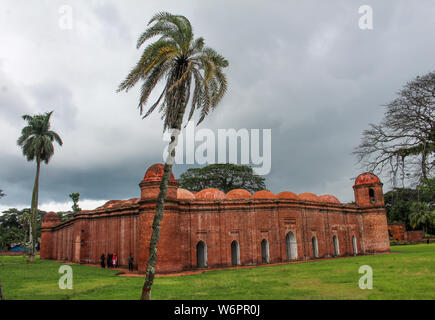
215, 194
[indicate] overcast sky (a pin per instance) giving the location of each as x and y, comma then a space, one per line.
303, 69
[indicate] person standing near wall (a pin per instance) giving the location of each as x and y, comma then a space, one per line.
115, 260
130, 262
109, 260
103, 261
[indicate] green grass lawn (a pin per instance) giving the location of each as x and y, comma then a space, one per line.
407, 273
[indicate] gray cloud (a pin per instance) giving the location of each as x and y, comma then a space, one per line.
303, 69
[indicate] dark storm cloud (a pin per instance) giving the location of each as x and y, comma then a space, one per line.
11, 101
303, 69
55, 97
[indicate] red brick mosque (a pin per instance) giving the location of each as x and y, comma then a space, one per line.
211, 229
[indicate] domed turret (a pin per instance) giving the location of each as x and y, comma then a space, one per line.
366, 178
368, 190
150, 185
155, 173
50, 219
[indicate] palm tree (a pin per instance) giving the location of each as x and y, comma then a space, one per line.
422, 216
36, 141
184, 63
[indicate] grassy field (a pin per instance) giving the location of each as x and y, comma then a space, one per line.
407, 273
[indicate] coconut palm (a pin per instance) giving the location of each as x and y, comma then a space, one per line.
422, 216
36, 141
186, 66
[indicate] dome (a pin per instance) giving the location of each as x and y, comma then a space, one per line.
110, 204
238, 194
51, 218
50, 215
329, 198
155, 173
367, 178
309, 197
130, 201
184, 194
287, 195
264, 194
210, 194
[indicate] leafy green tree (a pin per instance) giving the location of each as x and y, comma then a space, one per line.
225, 177
422, 216
75, 198
65, 215
185, 64
36, 142
412, 206
11, 230
398, 205
423, 210
15, 227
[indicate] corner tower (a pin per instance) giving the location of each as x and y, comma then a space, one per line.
150, 185
368, 191
169, 245
370, 199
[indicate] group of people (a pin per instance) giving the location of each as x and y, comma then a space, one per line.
112, 261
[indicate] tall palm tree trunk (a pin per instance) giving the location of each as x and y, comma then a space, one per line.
34, 210
152, 258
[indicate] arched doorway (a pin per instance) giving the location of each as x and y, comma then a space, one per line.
264, 251
336, 247
235, 253
201, 255
315, 247
291, 246
355, 248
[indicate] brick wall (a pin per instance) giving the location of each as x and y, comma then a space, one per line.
288, 226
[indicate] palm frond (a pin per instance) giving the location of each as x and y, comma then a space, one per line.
187, 66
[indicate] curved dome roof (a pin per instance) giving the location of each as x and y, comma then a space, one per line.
51, 214
130, 201
366, 178
50, 218
155, 173
184, 194
329, 198
110, 204
238, 194
287, 195
264, 194
211, 194
309, 197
